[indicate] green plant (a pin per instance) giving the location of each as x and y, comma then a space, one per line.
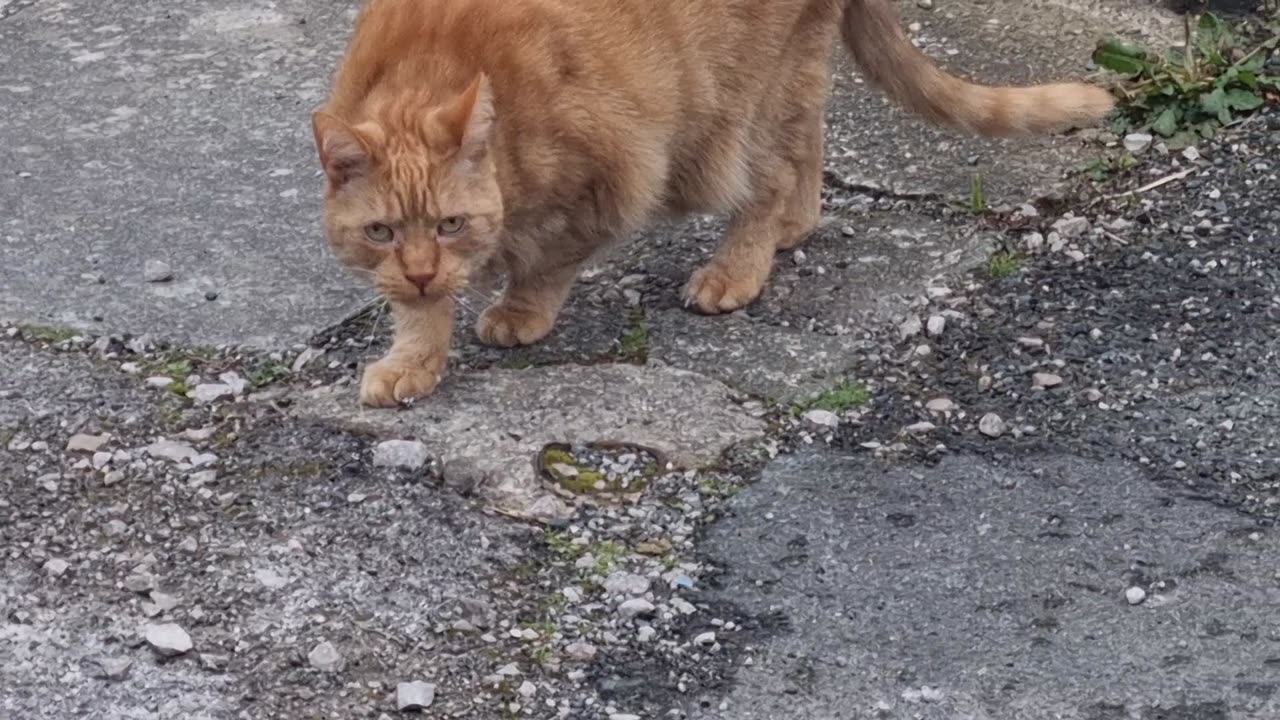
267, 373
977, 196
1099, 169
1193, 91
633, 345
1003, 263
844, 396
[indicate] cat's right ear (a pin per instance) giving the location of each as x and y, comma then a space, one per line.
344, 154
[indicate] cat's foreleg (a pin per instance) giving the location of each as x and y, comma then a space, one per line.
528, 308
419, 353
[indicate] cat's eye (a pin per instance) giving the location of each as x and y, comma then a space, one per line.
451, 225
379, 233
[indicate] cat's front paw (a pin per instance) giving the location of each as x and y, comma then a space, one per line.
505, 326
713, 290
392, 381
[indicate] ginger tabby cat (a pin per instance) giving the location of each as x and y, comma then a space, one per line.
524, 136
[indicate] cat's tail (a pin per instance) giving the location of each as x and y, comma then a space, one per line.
874, 37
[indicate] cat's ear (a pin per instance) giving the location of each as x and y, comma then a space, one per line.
470, 119
344, 152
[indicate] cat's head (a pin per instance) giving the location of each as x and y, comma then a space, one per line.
412, 196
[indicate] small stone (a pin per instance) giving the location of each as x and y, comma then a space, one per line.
163, 602
646, 634
237, 384
168, 639
824, 418
305, 357
156, 271
1031, 343
211, 295
101, 459
169, 450
270, 578
416, 695
1046, 380
213, 662
992, 425
1033, 241
635, 607
1071, 227
705, 639
910, 327
1137, 142
206, 393
1191, 154
626, 584
682, 606
582, 651
527, 690
919, 428
140, 582
87, 443
936, 326
158, 382
113, 668
200, 434
324, 657
404, 454
940, 405
56, 567
924, 4
1135, 595
1093, 395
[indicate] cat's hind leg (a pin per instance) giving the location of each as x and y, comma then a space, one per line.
785, 207
786, 202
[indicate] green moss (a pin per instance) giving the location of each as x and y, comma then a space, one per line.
47, 333
558, 456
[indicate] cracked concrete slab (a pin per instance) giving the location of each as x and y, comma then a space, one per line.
486, 428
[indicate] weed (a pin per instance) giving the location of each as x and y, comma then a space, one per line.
1004, 263
607, 554
562, 545
633, 345
977, 196
843, 397
1190, 92
268, 373
1099, 169
717, 487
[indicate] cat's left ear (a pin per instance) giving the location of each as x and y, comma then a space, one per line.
344, 153
470, 118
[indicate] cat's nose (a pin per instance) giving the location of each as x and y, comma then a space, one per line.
420, 280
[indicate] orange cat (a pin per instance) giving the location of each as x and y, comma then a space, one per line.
525, 135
